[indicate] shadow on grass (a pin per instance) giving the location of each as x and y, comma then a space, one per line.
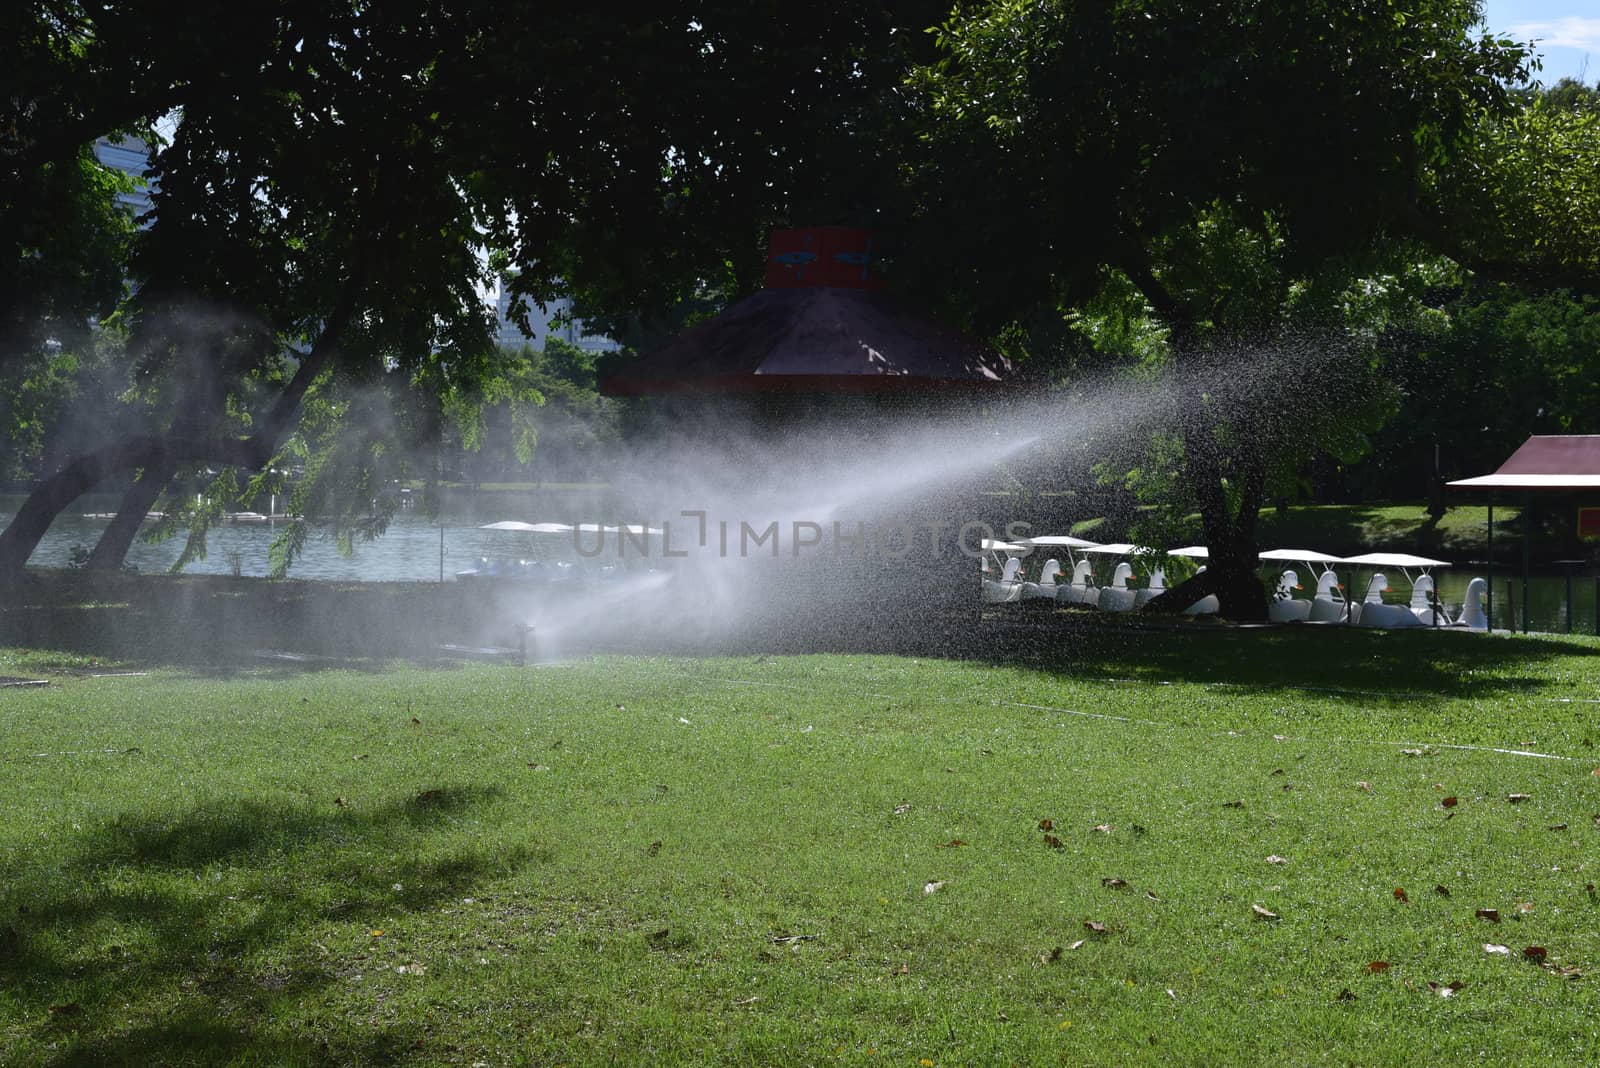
1086, 644
218, 627
1287, 658
188, 938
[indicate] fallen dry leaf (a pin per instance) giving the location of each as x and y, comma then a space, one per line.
1412, 752
1496, 949
1492, 915
1447, 802
654, 847
1151, 896
1556, 827
1275, 859
428, 797
415, 720
1263, 914
1078, 944
1367, 786
1113, 883
1052, 841
952, 844
1448, 990
1233, 804
1094, 927
933, 886
1378, 966
1517, 799
1537, 954
1047, 825
1524, 906
1400, 895
1345, 995
1103, 828
1050, 957
1565, 971
1442, 891
904, 969
902, 808
340, 801
1277, 771
751, 1000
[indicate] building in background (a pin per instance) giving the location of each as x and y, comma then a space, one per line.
131, 156
573, 331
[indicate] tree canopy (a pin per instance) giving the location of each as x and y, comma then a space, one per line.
1150, 182
335, 195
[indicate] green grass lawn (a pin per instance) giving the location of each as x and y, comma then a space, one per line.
813, 860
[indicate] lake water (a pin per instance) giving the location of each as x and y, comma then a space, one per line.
411, 550
408, 552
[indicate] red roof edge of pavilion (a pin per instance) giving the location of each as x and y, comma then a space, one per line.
822, 324
1545, 462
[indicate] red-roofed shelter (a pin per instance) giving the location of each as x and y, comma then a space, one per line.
822, 324
1545, 463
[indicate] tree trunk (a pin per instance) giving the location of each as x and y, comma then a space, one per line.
85, 471
112, 548
1229, 532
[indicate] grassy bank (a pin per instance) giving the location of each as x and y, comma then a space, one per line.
820, 859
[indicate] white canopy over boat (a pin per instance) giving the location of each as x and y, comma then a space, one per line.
1193, 552
528, 528
990, 545
1308, 556
1394, 560
566, 528
1119, 548
1066, 541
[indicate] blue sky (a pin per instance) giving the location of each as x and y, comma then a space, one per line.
1567, 32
